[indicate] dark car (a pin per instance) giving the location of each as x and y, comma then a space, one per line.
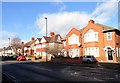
14, 57
5, 57
89, 59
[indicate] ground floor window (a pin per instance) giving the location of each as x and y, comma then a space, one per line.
118, 52
74, 53
43, 53
92, 51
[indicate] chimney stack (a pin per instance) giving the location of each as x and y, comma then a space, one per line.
22, 43
33, 39
91, 21
51, 34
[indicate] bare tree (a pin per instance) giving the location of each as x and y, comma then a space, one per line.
16, 44
54, 49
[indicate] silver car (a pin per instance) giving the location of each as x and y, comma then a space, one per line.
89, 59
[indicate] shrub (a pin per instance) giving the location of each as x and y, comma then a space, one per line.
30, 56
38, 56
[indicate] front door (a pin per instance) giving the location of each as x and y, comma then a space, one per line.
110, 54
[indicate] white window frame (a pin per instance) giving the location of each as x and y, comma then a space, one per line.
92, 51
91, 36
74, 53
109, 34
44, 45
73, 39
64, 43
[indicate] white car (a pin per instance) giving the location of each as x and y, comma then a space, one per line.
89, 59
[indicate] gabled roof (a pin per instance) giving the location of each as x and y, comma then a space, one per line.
47, 38
82, 29
54, 38
72, 30
29, 43
106, 28
39, 39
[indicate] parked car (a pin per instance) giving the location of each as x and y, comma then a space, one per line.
89, 59
14, 57
21, 58
4, 57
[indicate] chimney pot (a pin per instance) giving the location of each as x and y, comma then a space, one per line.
51, 34
22, 43
91, 21
33, 39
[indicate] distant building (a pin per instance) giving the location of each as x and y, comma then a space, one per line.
44, 45
28, 47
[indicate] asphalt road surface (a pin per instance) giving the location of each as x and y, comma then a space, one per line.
20, 71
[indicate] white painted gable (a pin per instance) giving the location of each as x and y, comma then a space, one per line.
73, 35
59, 39
37, 41
43, 40
90, 31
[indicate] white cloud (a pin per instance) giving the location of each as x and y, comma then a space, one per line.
4, 35
105, 11
61, 5
62, 22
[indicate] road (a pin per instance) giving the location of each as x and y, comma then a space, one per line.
20, 71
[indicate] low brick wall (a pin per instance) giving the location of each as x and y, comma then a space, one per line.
31, 58
44, 58
67, 61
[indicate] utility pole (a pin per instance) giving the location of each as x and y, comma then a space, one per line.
46, 25
46, 36
9, 42
10, 46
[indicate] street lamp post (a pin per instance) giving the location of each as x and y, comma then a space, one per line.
46, 36
10, 45
9, 42
46, 25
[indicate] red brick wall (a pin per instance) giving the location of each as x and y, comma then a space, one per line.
77, 32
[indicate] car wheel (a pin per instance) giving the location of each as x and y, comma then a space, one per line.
88, 61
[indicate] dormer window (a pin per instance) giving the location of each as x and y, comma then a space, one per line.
109, 36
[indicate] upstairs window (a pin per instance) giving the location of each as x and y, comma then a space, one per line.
73, 39
109, 36
91, 36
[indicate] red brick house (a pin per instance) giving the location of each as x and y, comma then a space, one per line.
101, 41
37, 47
98, 40
73, 43
44, 45
29, 47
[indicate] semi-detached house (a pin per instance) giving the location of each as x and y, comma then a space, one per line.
98, 40
28, 47
43, 46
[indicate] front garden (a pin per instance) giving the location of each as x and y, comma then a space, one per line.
66, 60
